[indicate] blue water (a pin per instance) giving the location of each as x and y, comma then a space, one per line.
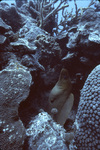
80, 3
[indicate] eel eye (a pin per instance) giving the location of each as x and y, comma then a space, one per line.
52, 100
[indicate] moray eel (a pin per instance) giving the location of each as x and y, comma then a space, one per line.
60, 98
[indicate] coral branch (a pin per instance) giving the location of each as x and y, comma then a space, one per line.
34, 10
46, 9
48, 5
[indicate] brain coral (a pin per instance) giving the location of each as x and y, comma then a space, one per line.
87, 121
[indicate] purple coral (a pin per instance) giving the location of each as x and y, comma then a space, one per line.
87, 121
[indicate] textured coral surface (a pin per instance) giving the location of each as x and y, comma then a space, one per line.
88, 116
45, 134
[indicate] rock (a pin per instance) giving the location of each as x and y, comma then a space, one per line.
94, 37
44, 133
82, 43
87, 30
69, 56
2, 39
97, 6
89, 15
61, 36
40, 50
4, 27
23, 45
73, 37
47, 41
27, 35
30, 34
11, 16
49, 76
32, 62
20, 3
15, 82
13, 37
25, 10
49, 49
6, 35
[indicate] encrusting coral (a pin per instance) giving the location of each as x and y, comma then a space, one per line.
87, 123
61, 99
45, 134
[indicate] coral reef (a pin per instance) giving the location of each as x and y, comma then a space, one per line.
70, 18
87, 123
19, 3
4, 27
45, 10
44, 133
24, 36
49, 48
15, 81
6, 12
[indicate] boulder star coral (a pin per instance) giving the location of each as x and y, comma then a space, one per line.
87, 121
